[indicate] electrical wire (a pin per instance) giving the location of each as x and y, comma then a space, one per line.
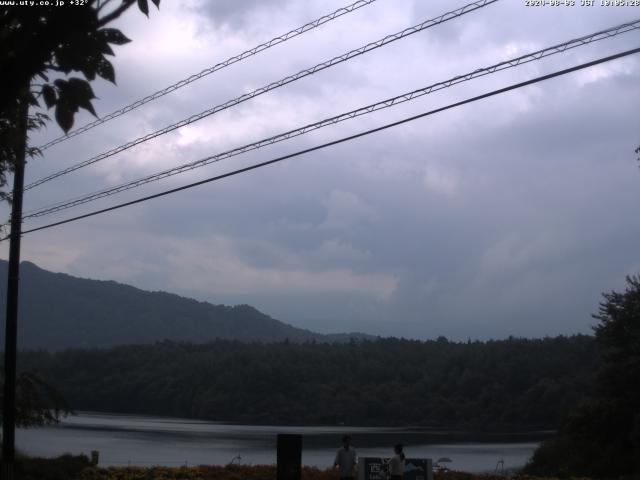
208, 71
387, 103
272, 86
341, 140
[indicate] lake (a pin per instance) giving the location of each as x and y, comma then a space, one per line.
145, 440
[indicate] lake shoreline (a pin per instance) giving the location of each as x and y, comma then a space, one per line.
527, 432
142, 440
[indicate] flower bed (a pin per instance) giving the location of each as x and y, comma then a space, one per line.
70, 467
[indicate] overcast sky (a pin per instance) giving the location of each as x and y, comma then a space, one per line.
507, 216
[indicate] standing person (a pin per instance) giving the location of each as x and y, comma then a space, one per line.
396, 463
346, 459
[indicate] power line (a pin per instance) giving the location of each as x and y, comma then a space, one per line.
341, 140
585, 40
272, 86
208, 71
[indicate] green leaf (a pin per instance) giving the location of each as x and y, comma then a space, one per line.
64, 116
104, 48
71, 54
81, 94
90, 66
49, 95
106, 71
32, 100
144, 7
88, 106
73, 94
113, 35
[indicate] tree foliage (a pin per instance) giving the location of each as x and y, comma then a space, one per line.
42, 50
49, 44
601, 438
38, 403
496, 385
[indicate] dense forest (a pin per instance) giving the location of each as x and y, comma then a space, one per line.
495, 385
600, 436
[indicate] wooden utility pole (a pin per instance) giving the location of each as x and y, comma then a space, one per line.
11, 326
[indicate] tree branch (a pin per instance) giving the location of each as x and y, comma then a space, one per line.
116, 13
102, 4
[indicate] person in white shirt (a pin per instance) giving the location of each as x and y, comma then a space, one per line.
346, 459
396, 463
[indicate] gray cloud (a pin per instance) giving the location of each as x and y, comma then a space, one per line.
508, 216
237, 15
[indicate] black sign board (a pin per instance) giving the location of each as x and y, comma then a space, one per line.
289, 457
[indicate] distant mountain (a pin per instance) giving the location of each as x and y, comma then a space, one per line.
58, 311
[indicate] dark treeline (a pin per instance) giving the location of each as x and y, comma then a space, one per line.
600, 437
508, 384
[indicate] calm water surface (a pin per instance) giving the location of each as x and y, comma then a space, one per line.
141, 440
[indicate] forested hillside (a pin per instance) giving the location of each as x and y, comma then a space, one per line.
496, 385
58, 311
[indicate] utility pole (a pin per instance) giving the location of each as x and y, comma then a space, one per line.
11, 326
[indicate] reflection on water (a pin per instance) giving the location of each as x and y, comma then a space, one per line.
139, 440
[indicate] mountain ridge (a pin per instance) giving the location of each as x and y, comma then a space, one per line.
58, 311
